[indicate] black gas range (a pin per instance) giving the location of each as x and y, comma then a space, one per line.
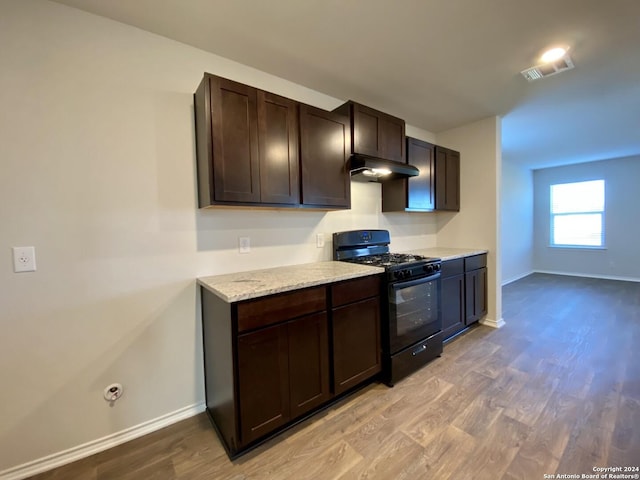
412, 321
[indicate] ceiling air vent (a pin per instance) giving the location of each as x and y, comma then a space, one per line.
548, 69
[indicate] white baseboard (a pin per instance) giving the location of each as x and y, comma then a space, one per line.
590, 275
81, 451
490, 322
511, 280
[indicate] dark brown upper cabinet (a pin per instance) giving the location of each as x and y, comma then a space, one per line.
413, 194
278, 149
437, 187
375, 133
247, 145
447, 179
324, 154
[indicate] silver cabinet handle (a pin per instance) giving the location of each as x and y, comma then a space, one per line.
419, 350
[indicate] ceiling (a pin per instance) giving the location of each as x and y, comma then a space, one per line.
438, 64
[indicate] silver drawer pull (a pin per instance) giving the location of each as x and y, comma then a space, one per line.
419, 350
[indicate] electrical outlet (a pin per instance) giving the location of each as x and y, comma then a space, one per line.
113, 392
319, 240
24, 259
244, 244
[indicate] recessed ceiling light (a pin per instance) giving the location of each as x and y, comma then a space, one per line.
553, 61
553, 54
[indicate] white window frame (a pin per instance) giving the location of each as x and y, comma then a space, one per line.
576, 212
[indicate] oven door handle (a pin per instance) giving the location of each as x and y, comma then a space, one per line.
417, 281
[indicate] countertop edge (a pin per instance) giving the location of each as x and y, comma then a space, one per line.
260, 291
446, 254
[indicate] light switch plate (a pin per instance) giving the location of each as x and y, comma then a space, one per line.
24, 259
319, 240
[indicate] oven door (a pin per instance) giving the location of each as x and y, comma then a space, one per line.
414, 311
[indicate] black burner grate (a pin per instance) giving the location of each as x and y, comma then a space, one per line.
387, 259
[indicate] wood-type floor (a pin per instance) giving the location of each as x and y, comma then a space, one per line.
556, 391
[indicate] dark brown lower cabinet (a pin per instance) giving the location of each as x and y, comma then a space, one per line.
283, 372
356, 343
355, 320
464, 293
476, 295
263, 381
452, 294
308, 363
270, 361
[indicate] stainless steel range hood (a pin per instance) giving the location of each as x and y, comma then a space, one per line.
371, 169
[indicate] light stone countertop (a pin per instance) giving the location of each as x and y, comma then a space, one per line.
446, 253
233, 287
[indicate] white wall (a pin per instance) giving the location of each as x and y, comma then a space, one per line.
478, 222
516, 222
621, 258
97, 171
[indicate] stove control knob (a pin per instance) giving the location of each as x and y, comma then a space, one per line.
401, 274
428, 268
437, 267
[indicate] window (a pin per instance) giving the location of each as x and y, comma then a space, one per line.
577, 214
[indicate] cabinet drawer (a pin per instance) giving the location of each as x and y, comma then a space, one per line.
351, 291
452, 267
475, 262
266, 311
411, 359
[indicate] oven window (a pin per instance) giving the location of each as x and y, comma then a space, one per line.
414, 310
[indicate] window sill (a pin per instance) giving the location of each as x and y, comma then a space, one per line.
578, 247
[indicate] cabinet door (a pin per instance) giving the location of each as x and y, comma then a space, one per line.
356, 343
308, 363
263, 381
365, 130
324, 152
392, 138
414, 193
447, 179
278, 149
476, 295
234, 130
481, 298
378, 134
453, 305
421, 189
